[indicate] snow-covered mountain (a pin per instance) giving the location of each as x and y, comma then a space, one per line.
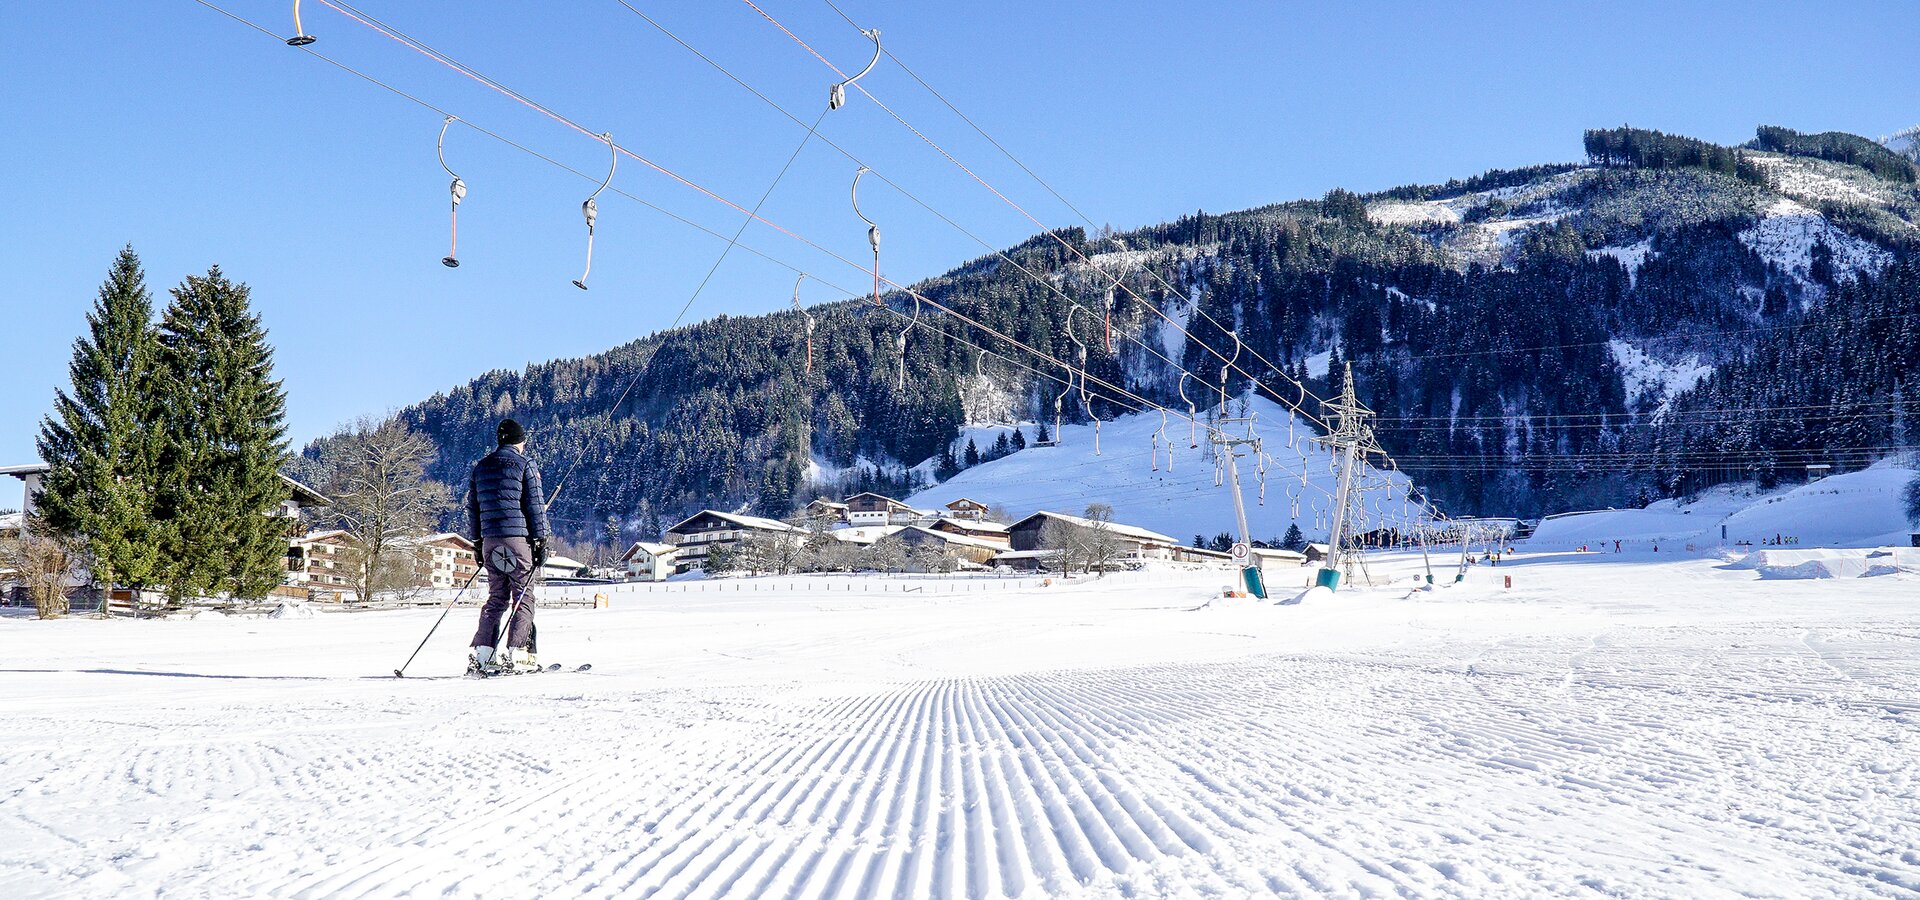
1499, 324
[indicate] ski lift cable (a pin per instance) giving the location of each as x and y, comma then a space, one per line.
632, 155
458, 190
413, 44
394, 34
1017, 207
467, 123
902, 64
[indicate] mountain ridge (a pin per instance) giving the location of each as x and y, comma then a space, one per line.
1529, 294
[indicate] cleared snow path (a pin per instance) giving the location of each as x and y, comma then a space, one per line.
1676, 728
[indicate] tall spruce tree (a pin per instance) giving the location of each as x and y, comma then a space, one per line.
226, 442
103, 440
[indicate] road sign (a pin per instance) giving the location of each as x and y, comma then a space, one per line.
1241, 553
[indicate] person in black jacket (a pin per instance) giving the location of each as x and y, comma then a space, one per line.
508, 513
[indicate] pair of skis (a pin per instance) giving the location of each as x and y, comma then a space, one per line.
550, 667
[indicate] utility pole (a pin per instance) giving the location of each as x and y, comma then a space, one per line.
1230, 446
1350, 438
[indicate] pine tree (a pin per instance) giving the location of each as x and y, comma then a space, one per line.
1044, 435
1293, 540
1019, 440
226, 441
971, 457
103, 440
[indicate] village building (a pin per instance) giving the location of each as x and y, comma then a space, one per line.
863, 535
968, 509
696, 537
876, 509
445, 561
826, 512
1202, 556
561, 567
321, 564
647, 561
973, 528
968, 550
1137, 544
1029, 560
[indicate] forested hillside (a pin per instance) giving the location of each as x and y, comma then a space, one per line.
1559, 336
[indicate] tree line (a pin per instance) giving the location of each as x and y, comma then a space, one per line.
165, 450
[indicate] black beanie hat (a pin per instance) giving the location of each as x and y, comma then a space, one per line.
510, 432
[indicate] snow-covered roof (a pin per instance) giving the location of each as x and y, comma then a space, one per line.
1278, 553
652, 549
1131, 531
563, 562
446, 536
961, 539
1028, 554
864, 534
328, 534
974, 525
737, 519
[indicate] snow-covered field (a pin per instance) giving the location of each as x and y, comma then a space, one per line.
1857, 509
1632, 725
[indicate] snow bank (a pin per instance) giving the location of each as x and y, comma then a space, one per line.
292, 610
1822, 563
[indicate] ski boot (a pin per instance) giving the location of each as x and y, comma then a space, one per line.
522, 661
482, 663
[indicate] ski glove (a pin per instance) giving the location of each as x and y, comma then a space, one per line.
539, 546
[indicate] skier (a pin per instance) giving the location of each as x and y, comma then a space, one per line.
508, 513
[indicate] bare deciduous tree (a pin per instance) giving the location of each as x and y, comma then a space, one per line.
43, 563
382, 496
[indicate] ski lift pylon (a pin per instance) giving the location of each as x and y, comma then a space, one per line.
458, 189
837, 97
300, 36
591, 210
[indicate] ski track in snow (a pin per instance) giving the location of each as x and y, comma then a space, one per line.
1766, 754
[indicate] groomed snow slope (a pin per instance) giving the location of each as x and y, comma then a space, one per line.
1857, 509
1180, 503
1680, 729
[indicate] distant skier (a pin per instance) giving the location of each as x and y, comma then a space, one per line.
508, 512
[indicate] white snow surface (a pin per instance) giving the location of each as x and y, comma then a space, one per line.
1787, 231
1630, 725
1857, 509
1633, 255
1649, 378
1182, 502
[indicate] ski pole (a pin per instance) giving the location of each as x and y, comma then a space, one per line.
400, 672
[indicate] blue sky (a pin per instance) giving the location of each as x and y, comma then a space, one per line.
199, 141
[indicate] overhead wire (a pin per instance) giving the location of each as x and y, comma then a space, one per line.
751, 214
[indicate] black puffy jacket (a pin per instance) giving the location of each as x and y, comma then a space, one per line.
504, 498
